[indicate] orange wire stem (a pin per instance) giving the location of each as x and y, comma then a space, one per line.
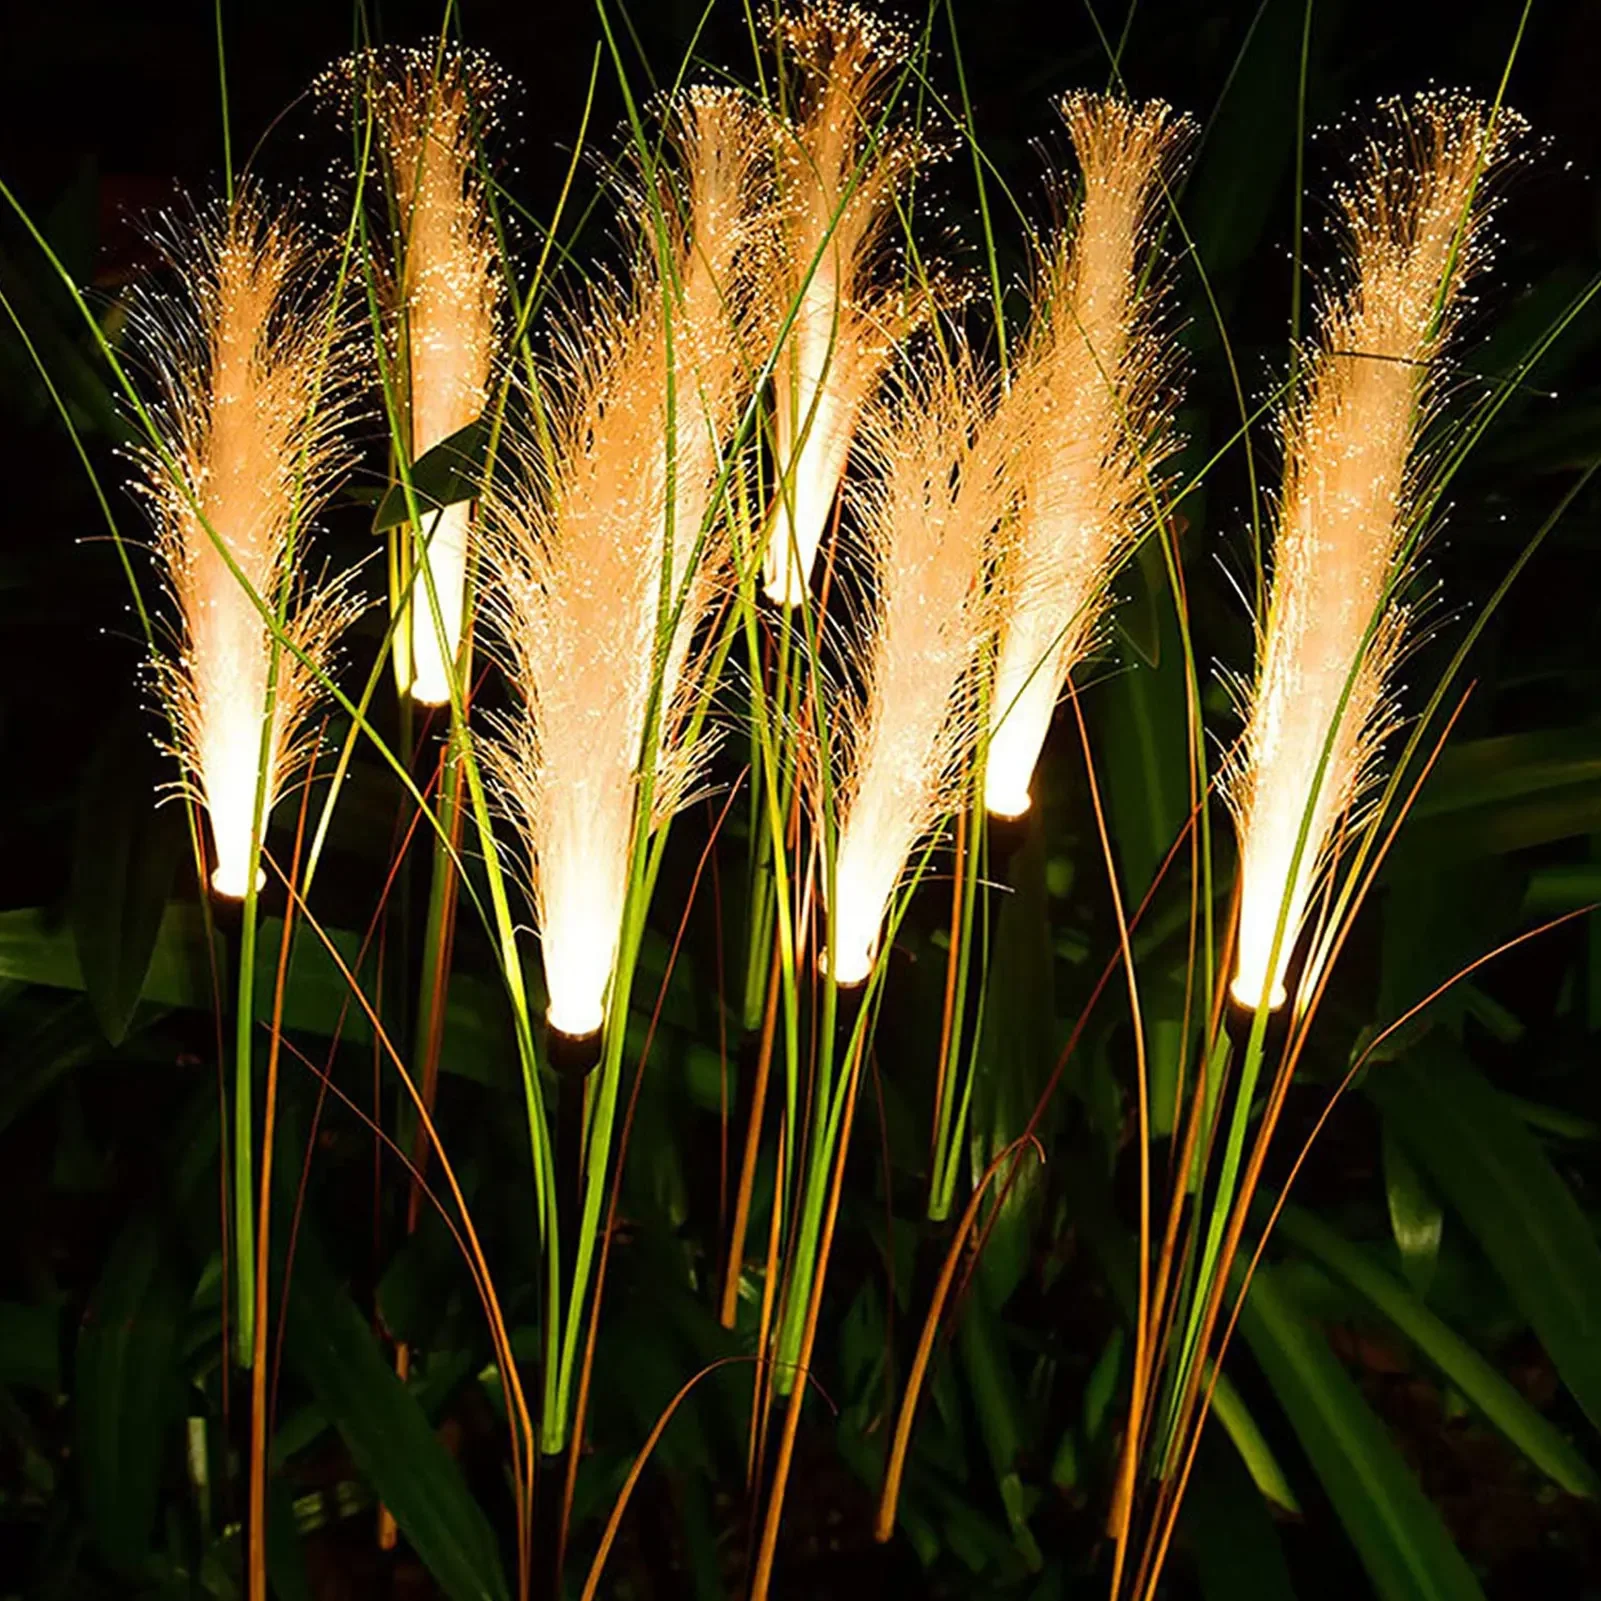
256, 1521
889, 1497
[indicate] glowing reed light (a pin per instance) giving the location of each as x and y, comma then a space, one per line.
1346, 530
839, 175
433, 115
254, 380
928, 513
576, 543
1087, 425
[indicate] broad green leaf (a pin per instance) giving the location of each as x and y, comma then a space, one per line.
1417, 1219
1492, 1170
992, 1385
30, 1346
451, 472
1438, 1343
1249, 152
331, 1347
124, 854
35, 948
286, 1564
1481, 772
1490, 796
1230, 1411
1396, 1529
1237, 1549
35, 1061
126, 1391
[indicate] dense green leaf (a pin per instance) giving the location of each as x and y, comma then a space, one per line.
331, 1346
1236, 1546
35, 948
124, 855
125, 1384
1230, 1411
1457, 1361
1417, 1219
1492, 1170
451, 472
64, 1038
30, 1346
1395, 1528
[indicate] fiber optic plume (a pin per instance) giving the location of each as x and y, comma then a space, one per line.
1414, 226
432, 113
1087, 425
840, 173
255, 380
615, 498
928, 513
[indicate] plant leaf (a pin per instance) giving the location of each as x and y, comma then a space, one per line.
451, 472
123, 859
331, 1347
1479, 1383
125, 1383
1417, 1220
1494, 1173
1396, 1529
1237, 1549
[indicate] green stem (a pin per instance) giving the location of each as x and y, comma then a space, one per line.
244, 1136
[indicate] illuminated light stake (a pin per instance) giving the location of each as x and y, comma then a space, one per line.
1252, 1000
255, 381
433, 114
576, 547
444, 539
1346, 533
1085, 426
928, 512
839, 173
231, 880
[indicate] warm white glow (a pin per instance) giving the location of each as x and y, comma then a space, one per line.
839, 171
575, 542
445, 545
1319, 709
230, 878
927, 511
855, 934
1004, 801
433, 116
577, 1016
255, 378
1085, 426
1248, 993
816, 463
1016, 740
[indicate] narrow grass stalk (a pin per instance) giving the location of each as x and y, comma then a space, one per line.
605, 552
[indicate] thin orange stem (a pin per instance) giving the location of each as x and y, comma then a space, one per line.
753, 1138
1122, 1507
889, 1497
